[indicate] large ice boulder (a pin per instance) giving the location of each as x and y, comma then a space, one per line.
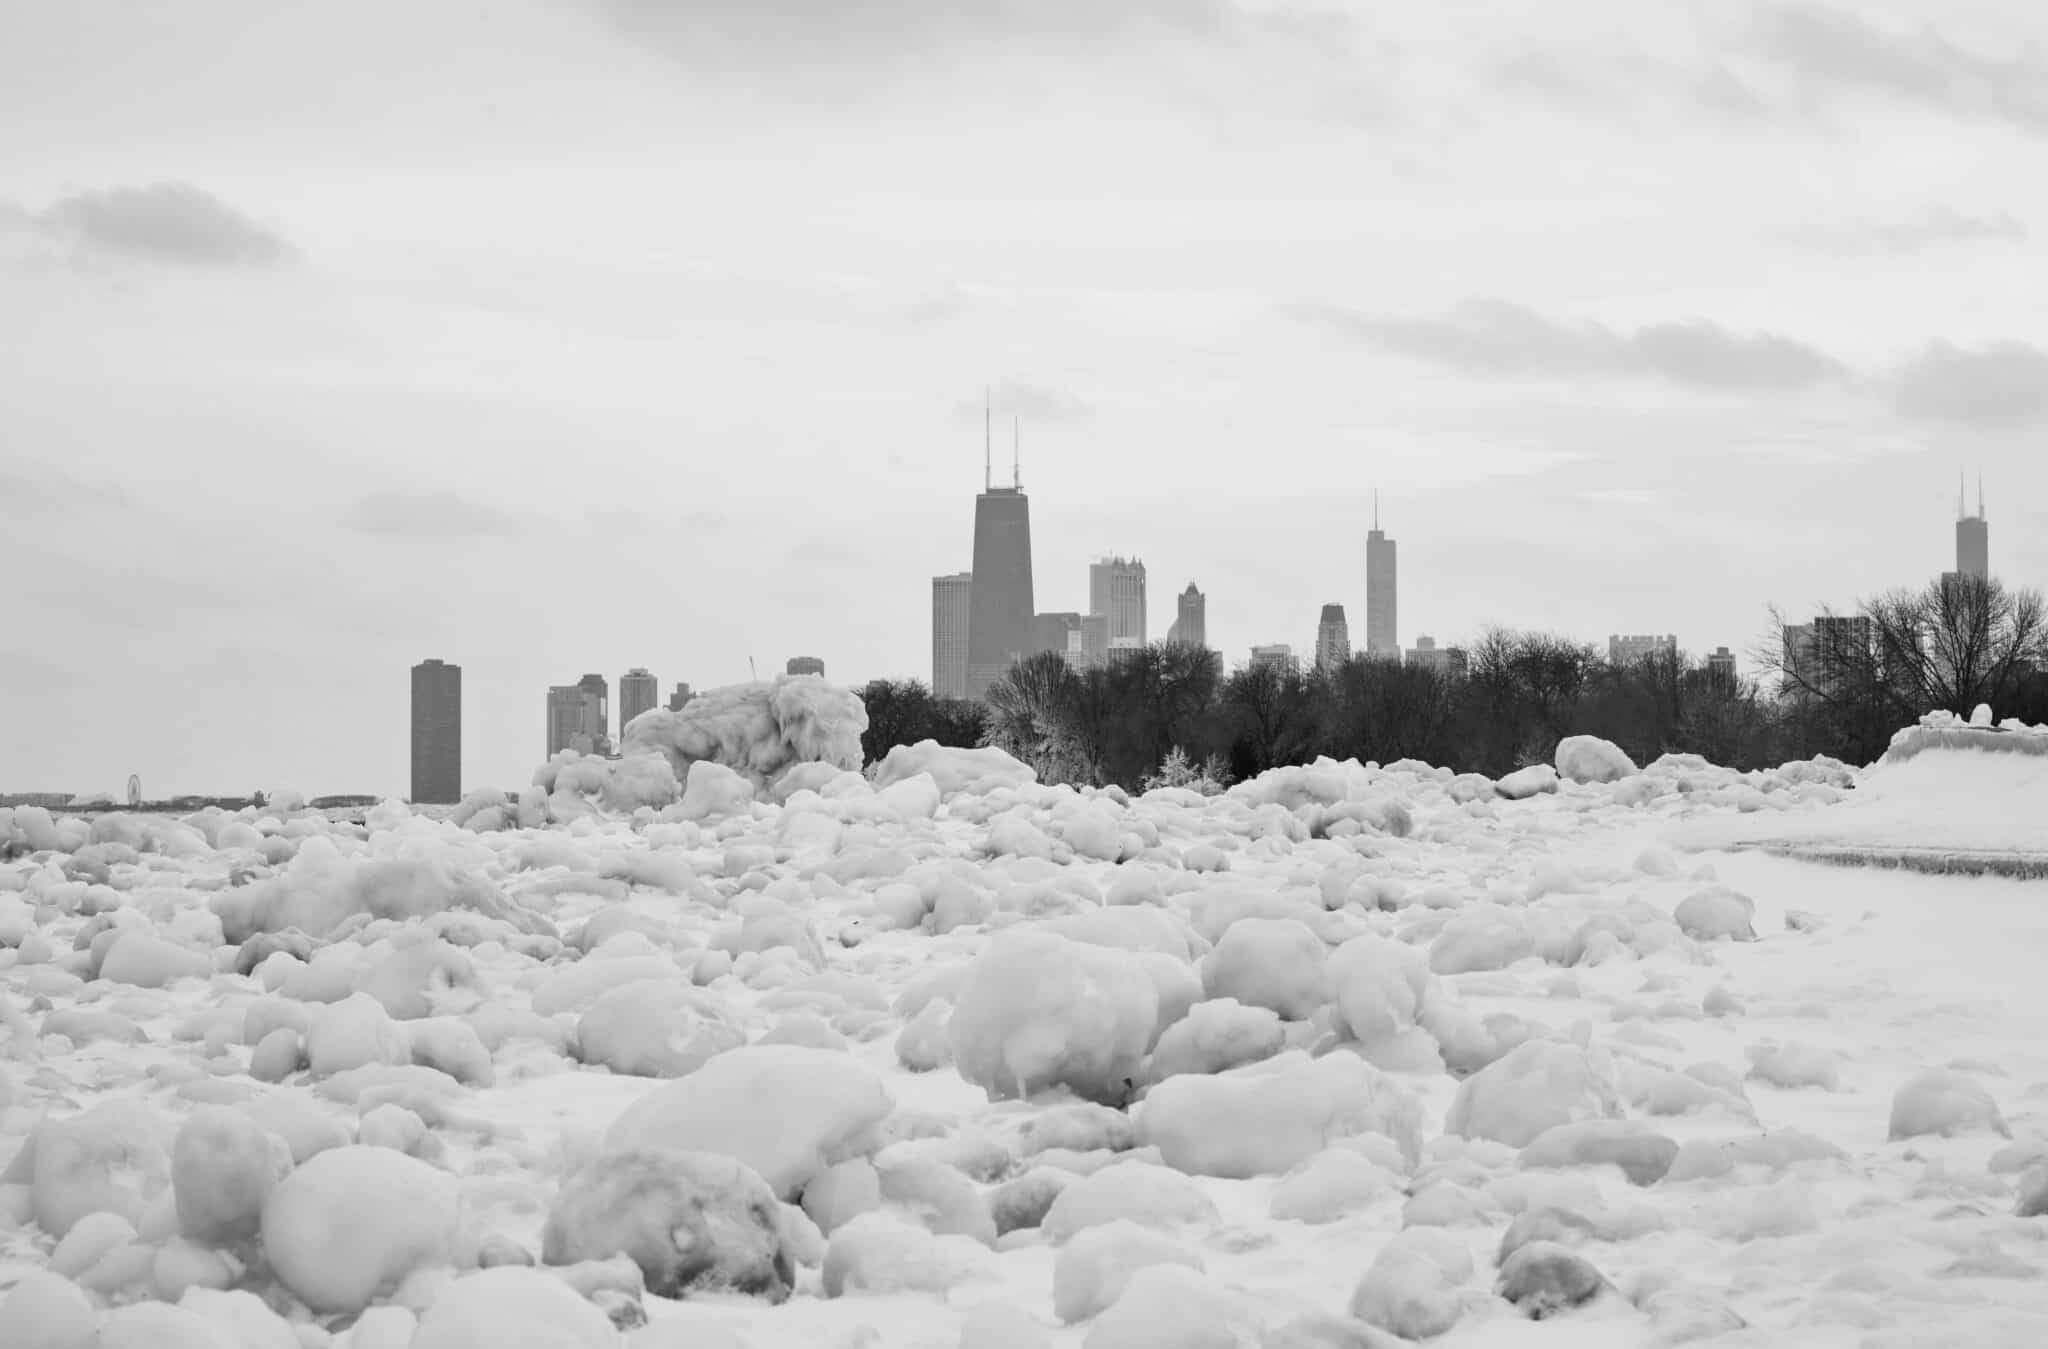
47, 1311
758, 730
1037, 1010
1535, 780
1535, 1086
354, 1221
1091, 1272
113, 1158
786, 1111
1171, 1306
1716, 913
223, 1167
1588, 758
1413, 1286
320, 889
1151, 1196
1215, 1035
650, 1028
692, 1221
1275, 963
511, 1307
973, 772
1945, 1102
1267, 1118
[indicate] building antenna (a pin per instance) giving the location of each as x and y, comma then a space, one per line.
1962, 502
1016, 435
752, 673
988, 480
1375, 508
1980, 496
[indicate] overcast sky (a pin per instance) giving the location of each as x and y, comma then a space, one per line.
553, 337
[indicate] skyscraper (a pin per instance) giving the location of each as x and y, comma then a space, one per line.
639, 692
1445, 660
1628, 649
1000, 608
1278, 655
680, 695
1380, 641
1721, 666
1191, 627
1049, 632
436, 733
1973, 537
579, 717
951, 605
1116, 590
1333, 639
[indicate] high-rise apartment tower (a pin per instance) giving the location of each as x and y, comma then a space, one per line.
436, 733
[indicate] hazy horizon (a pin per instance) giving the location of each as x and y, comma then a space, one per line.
571, 337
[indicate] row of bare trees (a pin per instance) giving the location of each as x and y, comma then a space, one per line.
1951, 645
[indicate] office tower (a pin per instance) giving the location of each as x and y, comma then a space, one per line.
1380, 641
1721, 666
1116, 590
1278, 656
639, 692
1095, 639
1050, 632
436, 733
1000, 607
1825, 655
1333, 639
579, 717
1191, 627
1447, 660
683, 693
1973, 537
802, 665
951, 604
1629, 649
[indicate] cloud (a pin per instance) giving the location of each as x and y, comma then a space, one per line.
2004, 384
173, 222
1498, 337
1830, 46
1945, 224
427, 513
1039, 403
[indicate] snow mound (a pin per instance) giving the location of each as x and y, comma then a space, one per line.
113, 1158
1588, 758
1412, 1288
957, 772
1039, 1010
1944, 1102
758, 730
513, 1308
1267, 1118
1533, 1087
1091, 1272
786, 1111
693, 1222
354, 1221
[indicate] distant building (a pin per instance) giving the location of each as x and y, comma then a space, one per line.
1095, 639
1380, 640
1973, 537
1333, 639
436, 733
1278, 656
579, 717
1633, 648
952, 604
1824, 655
1077, 648
639, 692
803, 665
1427, 655
1721, 666
1116, 589
1191, 627
1000, 607
682, 694
1054, 632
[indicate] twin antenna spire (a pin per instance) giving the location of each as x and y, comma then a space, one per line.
1962, 501
988, 447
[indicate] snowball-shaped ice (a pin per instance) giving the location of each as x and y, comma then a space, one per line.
1413, 1286
1543, 1278
938, 1195
1716, 913
880, 1253
1170, 1306
1275, 963
114, 1158
513, 1308
47, 1311
158, 1325
786, 1111
1267, 1118
1379, 986
1945, 1102
1002, 1325
713, 791
839, 1194
1335, 1183
351, 1033
146, 960
1214, 1036
1038, 1010
1523, 783
1092, 1271
692, 1222
650, 1029
1642, 1154
970, 772
223, 1167
759, 730
1535, 1086
1588, 758
356, 1220
1488, 938
1152, 1196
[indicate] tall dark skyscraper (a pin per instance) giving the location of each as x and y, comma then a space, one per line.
1380, 640
639, 692
1000, 612
1973, 536
1191, 626
436, 733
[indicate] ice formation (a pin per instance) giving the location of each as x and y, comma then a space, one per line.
726, 1043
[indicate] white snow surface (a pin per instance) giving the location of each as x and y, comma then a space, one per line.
1022, 1065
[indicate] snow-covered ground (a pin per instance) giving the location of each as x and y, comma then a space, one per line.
945, 1057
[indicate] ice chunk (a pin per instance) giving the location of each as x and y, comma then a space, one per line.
1038, 1010
47, 1311
692, 1221
354, 1032
148, 961
1336, 1183
1588, 758
1533, 1087
1716, 913
1267, 1118
649, 1029
1523, 783
880, 1253
760, 730
787, 1111
957, 772
1945, 1102
223, 1167
1214, 1036
1152, 1196
1642, 1154
1172, 1307
114, 1158
513, 1308
354, 1221
1275, 963
1092, 1271
1543, 1278
1412, 1288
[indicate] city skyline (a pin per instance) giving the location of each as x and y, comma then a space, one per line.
288, 410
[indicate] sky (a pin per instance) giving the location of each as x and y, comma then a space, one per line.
556, 336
